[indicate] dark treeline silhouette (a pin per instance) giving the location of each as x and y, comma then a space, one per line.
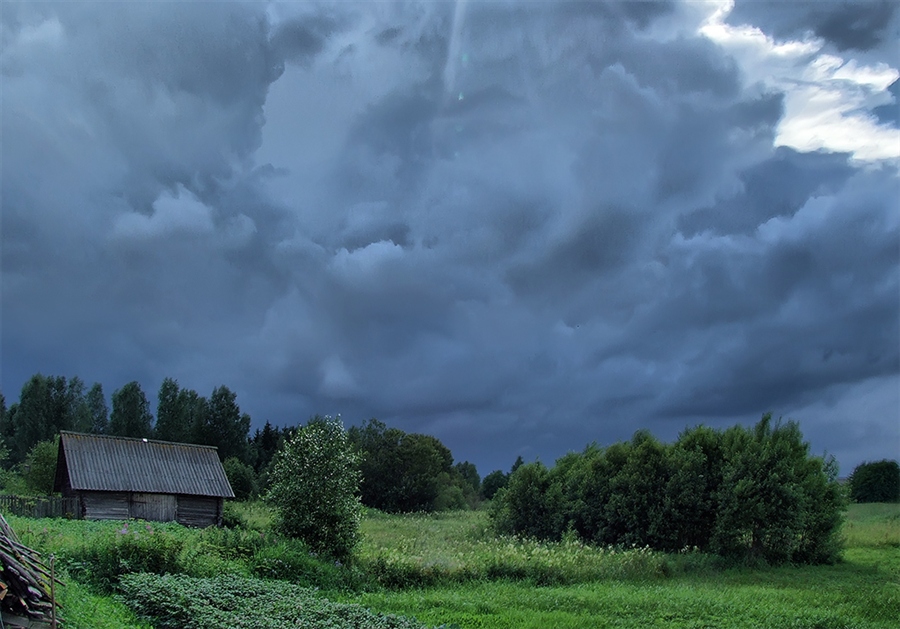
402, 472
48, 404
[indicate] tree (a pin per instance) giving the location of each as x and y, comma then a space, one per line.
240, 477
39, 468
875, 482
402, 472
776, 503
226, 427
130, 412
492, 483
45, 407
264, 444
529, 506
96, 403
195, 408
80, 412
5, 416
170, 416
314, 488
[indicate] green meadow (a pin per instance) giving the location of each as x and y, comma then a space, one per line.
449, 570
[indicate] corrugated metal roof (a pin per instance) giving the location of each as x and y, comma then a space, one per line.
101, 463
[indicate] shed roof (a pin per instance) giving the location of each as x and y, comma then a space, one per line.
102, 463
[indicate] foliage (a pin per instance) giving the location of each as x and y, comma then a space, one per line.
47, 404
314, 487
179, 602
530, 506
39, 469
241, 477
492, 483
751, 495
224, 426
876, 482
99, 412
170, 413
131, 548
130, 412
406, 472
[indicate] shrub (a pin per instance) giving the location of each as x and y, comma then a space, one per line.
39, 468
530, 505
241, 478
492, 483
749, 495
876, 482
315, 484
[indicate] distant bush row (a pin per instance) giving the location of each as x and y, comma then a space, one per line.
875, 482
747, 494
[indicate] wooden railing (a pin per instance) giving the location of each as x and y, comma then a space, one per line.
49, 507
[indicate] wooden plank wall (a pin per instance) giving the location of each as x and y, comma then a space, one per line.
106, 505
199, 511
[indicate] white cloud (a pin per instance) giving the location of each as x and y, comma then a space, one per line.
827, 98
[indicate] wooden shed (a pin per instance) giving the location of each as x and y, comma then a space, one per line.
116, 478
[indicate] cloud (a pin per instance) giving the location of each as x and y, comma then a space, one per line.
531, 225
845, 25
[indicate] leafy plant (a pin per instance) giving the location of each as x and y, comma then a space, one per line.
179, 602
876, 482
314, 488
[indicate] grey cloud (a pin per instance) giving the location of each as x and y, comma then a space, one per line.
848, 25
535, 225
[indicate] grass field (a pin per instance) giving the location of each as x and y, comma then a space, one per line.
863, 591
449, 570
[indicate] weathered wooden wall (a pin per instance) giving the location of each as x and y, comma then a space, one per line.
199, 511
106, 505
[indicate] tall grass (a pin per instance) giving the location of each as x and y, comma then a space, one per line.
427, 549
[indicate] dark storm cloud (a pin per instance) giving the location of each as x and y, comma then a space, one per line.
855, 25
519, 227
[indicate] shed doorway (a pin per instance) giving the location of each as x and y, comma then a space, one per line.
156, 507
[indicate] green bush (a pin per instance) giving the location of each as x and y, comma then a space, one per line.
39, 468
530, 505
315, 489
749, 495
241, 478
876, 482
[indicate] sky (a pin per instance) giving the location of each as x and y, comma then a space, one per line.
520, 227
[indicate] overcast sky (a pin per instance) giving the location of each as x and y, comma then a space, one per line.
518, 226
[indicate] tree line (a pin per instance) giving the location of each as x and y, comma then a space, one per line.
400, 472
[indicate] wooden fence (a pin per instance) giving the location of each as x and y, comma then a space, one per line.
52, 507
